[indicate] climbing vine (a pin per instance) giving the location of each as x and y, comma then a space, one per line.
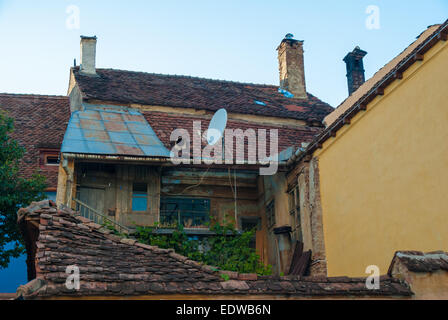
227, 249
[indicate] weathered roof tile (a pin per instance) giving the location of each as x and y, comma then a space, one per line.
113, 266
197, 93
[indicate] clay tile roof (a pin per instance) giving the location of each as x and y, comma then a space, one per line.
40, 122
114, 266
198, 93
163, 124
417, 261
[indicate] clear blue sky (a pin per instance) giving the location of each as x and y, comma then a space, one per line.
230, 40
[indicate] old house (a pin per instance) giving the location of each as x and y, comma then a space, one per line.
375, 180
115, 158
357, 186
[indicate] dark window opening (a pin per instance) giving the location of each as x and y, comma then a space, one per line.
294, 201
249, 224
294, 211
49, 157
52, 160
188, 212
139, 197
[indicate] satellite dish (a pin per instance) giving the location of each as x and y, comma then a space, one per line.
216, 127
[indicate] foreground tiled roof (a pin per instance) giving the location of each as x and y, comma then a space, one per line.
113, 266
198, 93
417, 261
40, 122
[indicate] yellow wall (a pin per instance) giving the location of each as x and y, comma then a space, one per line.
384, 178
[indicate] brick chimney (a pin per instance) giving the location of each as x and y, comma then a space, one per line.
88, 55
355, 69
291, 67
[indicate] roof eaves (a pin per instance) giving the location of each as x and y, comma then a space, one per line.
440, 34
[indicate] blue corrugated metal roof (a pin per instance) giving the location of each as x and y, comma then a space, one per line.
111, 130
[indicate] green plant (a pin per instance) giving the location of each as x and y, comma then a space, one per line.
225, 277
15, 192
227, 249
109, 225
177, 240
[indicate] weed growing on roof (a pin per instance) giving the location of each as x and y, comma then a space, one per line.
227, 249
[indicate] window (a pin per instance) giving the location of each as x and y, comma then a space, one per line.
294, 211
139, 197
189, 212
51, 160
270, 213
294, 201
49, 157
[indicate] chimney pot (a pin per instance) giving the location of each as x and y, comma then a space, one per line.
88, 55
355, 69
291, 66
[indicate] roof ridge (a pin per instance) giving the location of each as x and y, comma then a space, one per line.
191, 77
47, 209
390, 60
33, 95
354, 107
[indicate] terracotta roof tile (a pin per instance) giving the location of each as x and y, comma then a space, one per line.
113, 267
163, 124
198, 93
39, 122
417, 261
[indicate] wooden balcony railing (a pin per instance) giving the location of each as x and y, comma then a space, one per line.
90, 213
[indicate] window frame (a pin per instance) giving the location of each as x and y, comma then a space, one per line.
179, 218
141, 196
45, 153
294, 200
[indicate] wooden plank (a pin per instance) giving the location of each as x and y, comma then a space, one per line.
298, 250
209, 192
62, 185
418, 57
380, 91
302, 264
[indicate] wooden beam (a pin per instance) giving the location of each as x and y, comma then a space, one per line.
418, 57
380, 91
443, 36
398, 75
363, 107
307, 158
347, 120
333, 133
